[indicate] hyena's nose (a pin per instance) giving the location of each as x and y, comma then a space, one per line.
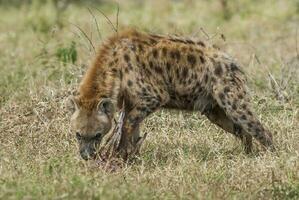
84, 154
87, 154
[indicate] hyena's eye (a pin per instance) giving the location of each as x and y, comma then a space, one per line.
98, 136
78, 136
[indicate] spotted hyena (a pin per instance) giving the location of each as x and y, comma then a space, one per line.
146, 72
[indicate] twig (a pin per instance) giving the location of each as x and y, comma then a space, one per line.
195, 33
113, 140
96, 22
116, 139
276, 89
205, 33
257, 59
113, 27
117, 13
109, 148
79, 37
85, 35
90, 35
297, 43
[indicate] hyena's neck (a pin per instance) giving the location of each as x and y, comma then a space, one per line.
99, 81
97, 85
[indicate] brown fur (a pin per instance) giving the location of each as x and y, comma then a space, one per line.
148, 71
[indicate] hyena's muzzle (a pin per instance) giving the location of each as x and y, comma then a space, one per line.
88, 147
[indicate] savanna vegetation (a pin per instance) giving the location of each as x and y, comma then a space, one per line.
45, 48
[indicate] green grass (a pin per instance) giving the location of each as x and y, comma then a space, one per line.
43, 57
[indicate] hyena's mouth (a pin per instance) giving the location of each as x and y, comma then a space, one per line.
88, 147
87, 154
90, 150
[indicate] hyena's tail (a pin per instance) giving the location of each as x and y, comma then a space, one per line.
230, 93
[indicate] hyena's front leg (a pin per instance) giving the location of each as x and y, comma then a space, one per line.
130, 132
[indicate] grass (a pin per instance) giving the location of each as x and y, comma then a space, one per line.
43, 57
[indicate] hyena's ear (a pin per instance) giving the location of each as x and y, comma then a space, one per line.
106, 106
71, 104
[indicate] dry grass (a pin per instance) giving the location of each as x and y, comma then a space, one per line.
184, 156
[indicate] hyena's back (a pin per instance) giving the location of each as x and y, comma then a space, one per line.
179, 74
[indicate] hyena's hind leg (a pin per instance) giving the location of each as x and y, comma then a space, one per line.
232, 98
217, 116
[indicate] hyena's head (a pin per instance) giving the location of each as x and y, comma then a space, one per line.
90, 121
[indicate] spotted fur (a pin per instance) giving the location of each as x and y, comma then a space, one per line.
148, 72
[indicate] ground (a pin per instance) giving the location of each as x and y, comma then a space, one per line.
44, 55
